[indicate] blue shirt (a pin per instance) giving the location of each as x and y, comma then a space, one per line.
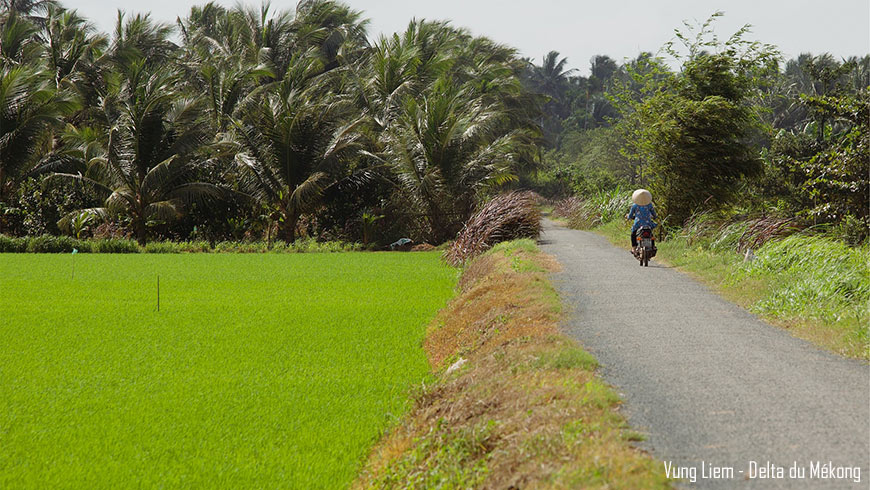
643, 216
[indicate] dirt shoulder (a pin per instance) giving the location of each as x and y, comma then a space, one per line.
512, 402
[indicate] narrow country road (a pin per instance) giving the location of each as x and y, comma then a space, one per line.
707, 381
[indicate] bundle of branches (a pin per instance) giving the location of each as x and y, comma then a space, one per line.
567, 208
593, 209
506, 217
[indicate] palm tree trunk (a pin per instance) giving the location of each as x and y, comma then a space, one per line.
139, 229
288, 228
2, 195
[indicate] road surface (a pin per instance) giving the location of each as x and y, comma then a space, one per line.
710, 384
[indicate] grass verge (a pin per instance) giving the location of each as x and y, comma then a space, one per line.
511, 403
818, 289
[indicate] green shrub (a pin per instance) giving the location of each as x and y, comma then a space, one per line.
10, 244
55, 244
196, 246
168, 247
243, 247
65, 244
114, 246
162, 248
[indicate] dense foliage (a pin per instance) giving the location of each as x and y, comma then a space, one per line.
732, 130
254, 124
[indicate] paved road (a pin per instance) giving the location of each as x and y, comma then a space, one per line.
706, 380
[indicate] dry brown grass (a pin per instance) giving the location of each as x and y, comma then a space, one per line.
526, 409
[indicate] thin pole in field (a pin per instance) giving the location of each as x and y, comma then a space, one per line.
74, 252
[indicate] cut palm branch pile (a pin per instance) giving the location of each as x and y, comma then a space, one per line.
567, 207
507, 217
593, 210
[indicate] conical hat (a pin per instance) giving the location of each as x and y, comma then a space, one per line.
641, 197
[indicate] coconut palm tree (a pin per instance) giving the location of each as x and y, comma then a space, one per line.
230, 52
552, 80
71, 45
33, 10
551, 77
217, 63
445, 149
389, 72
139, 39
449, 117
290, 140
30, 106
261, 36
154, 134
334, 29
18, 41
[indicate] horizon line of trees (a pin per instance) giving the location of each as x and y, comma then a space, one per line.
262, 124
256, 123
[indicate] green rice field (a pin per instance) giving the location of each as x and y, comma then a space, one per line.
259, 371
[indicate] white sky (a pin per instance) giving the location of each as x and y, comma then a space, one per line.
580, 29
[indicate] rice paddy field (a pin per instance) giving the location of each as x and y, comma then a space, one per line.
259, 371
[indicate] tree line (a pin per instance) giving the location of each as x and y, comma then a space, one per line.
250, 123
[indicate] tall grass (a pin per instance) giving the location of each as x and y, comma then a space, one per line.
814, 277
738, 233
595, 209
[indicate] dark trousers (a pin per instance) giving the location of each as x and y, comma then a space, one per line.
633, 239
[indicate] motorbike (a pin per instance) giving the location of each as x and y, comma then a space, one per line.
646, 246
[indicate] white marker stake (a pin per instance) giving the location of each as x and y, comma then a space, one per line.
74, 252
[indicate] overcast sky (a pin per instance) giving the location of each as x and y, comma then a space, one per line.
580, 29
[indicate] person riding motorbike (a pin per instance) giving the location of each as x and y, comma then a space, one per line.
642, 211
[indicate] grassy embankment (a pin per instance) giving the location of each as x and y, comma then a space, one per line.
816, 287
259, 371
525, 409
